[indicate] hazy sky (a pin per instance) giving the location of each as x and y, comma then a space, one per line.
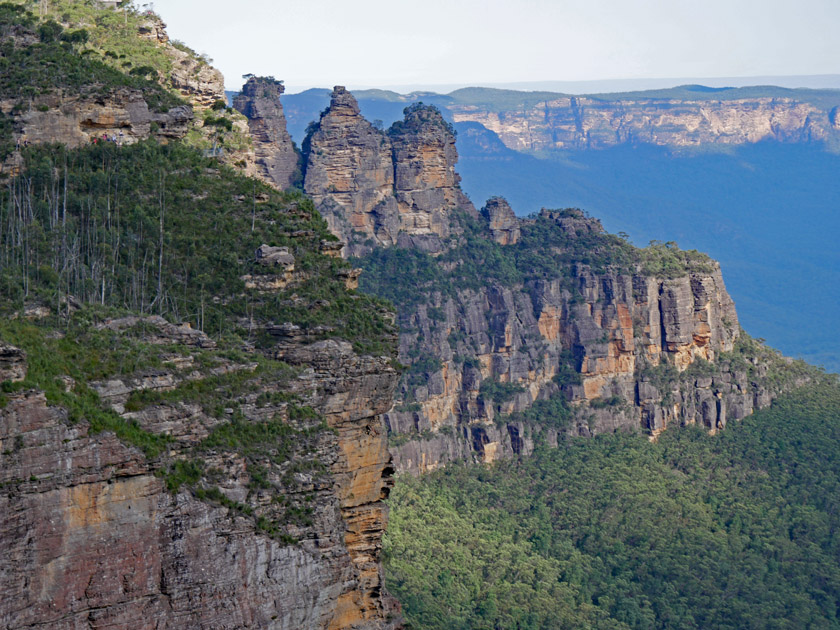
367, 43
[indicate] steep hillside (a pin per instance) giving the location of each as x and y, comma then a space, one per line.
191, 428
81, 73
195, 422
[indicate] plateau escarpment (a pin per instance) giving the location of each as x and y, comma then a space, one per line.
513, 328
581, 122
378, 188
556, 335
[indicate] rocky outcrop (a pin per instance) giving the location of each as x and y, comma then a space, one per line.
504, 226
122, 115
425, 182
12, 363
90, 535
624, 351
276, 157
191, 76
590, 123
349, 173
375, 188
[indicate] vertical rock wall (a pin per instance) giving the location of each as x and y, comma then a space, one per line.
276, 157
377, 188
91, 537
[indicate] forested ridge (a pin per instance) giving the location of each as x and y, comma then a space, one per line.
735, 530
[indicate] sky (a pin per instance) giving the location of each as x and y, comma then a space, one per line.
435, 43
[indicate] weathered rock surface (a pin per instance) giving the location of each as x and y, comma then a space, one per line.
74, 121
583, 122
195, 79
425, 182
90, 536
374, 188
647, 353
12, 363
349, 174
276, 156
503, 222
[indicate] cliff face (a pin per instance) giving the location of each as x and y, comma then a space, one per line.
276, 157
369, 184
587, 123
194, 78
75, 121
91, 535
562, 348
161, 477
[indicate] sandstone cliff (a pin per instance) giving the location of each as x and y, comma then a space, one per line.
276, 156
73, 121
571, 122
565, 342
377, 188
92, 536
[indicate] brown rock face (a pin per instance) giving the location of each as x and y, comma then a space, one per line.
196, 80
503, 222
12, 363
581, 122
75, 121
276, 157
350, 174
383, 187
91, 537
611, 329
425, 182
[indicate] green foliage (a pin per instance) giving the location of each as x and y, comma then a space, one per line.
729, 531
29, 71
109, 247
418, 114
499, 392
83, 354
112, 37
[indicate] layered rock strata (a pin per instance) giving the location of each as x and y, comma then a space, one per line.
626, 351
191, 76
504, 226
91, 535
74, 121
276, 157
571, 122
376, 188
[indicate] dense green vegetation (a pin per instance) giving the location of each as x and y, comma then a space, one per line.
59, 59
160, 229
737, 530
112, 35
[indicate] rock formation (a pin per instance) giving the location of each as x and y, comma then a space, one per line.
584, 122
276, 156
192, 76
425, 182
349, 174
601, 341
504, 225
75, 121
92, 536
381, 187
